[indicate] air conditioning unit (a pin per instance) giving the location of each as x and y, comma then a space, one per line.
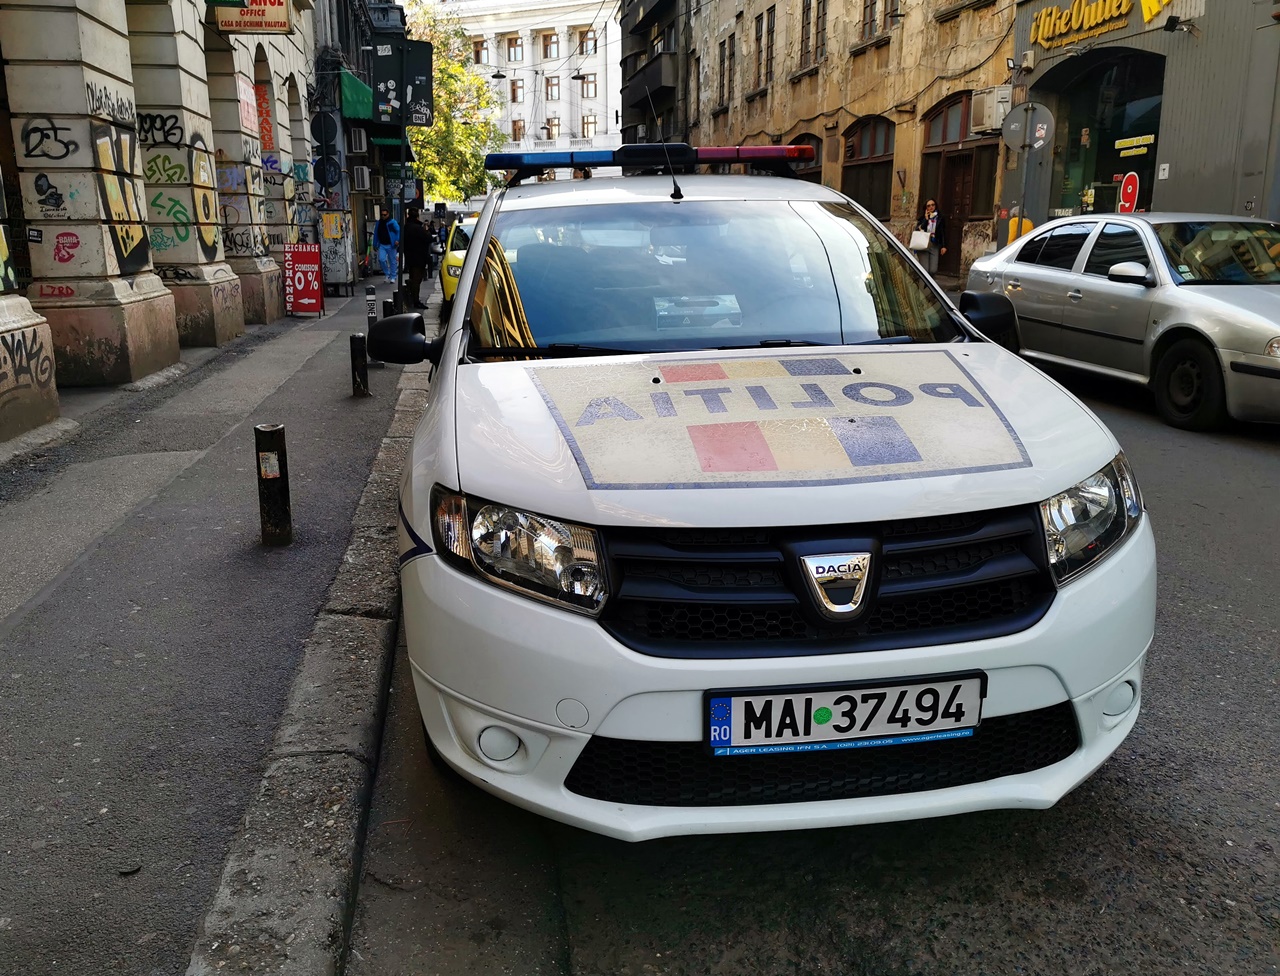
360, 179
988, 109
379, 187
357, 142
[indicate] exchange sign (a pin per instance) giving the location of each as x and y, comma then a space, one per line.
303, 281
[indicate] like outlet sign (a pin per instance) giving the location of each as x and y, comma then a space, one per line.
303, 280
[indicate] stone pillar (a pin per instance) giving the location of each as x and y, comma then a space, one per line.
28, 394
241, 187
176, 138
75, 132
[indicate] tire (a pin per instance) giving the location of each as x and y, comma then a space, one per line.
1189, 388
446, 306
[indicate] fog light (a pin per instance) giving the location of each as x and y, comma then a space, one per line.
1120, 699
498, 744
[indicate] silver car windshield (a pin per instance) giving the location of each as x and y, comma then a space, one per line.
707, 274
1221, 252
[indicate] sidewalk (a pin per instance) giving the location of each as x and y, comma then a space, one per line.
149, 643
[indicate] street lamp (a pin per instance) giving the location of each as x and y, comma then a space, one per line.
497, 75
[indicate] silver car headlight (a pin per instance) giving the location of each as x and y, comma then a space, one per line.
549, 559
1084, 523
454, 270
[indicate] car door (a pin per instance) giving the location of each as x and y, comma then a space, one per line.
1105, 322
1037, 281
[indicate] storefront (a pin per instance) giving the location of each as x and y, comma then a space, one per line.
1157, 105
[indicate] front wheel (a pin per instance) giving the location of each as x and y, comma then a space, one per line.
446, 306
1190, 392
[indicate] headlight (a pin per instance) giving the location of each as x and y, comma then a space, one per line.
555, 561
1084, 523
1273, 347
454, 270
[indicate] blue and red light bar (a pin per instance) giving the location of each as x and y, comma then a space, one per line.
676, 154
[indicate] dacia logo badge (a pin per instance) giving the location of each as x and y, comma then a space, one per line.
838, 580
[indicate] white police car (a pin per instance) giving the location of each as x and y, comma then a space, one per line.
721, 517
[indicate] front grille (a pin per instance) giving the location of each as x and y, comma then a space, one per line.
683, 774
739, 592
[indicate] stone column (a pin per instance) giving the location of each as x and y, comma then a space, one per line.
241, 188
28, 394
176, 137
75, 131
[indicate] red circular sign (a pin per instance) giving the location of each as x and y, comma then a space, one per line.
1129, 193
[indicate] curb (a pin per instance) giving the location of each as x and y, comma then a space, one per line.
286, 899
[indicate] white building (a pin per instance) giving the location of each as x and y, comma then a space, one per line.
555, 68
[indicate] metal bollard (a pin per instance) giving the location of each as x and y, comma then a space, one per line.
359, 366
371, 306
273, 485
388, 307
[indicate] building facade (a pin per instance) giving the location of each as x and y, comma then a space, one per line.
900, 99
1157, 105
148, 154
554, 68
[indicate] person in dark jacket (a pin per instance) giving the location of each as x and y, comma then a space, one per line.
386, 235
935, 224
417, 252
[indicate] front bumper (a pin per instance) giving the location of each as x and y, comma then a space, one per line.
482, 657
1253, 386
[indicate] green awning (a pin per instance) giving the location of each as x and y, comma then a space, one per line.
391, 148
357, 97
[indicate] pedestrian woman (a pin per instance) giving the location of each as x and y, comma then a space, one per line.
386, 234
934, 224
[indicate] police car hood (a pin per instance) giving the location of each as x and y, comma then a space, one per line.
783, 437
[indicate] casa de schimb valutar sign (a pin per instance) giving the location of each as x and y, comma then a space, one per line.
1059, 26
257, 17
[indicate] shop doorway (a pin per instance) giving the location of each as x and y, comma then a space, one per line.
1108, 120
958, 171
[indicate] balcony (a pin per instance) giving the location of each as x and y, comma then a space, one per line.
657, 74
639, 14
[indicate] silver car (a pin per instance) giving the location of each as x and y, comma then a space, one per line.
1187, 304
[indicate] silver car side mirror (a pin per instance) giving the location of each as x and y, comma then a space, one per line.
1131, 273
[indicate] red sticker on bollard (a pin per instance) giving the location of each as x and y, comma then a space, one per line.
268, 464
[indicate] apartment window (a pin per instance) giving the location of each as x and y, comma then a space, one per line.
806, 33
770, 20
480, 51
890, 13
733, 60
868, 19
517, 90
515, 49
517, 130
868, 165
724, 53
589, 125
759, 51
550, 46
553, 128
553, 88
589, 87
819, 30
587, 42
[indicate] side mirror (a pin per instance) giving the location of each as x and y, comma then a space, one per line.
993, 315
403, 339
1131, 273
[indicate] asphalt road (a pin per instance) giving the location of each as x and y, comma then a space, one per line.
1164, 862
148, 640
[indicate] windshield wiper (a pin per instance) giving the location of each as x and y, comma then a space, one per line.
898, 340
554, 349
777, 344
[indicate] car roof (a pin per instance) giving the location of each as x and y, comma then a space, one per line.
633, 189
1160, 217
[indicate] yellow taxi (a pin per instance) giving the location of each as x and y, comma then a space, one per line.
455, 252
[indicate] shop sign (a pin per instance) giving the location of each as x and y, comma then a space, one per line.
303, 281
248, 104
257, 17
1059, 26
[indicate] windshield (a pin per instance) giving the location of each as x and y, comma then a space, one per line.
461, 238
1221, 252
698, 275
